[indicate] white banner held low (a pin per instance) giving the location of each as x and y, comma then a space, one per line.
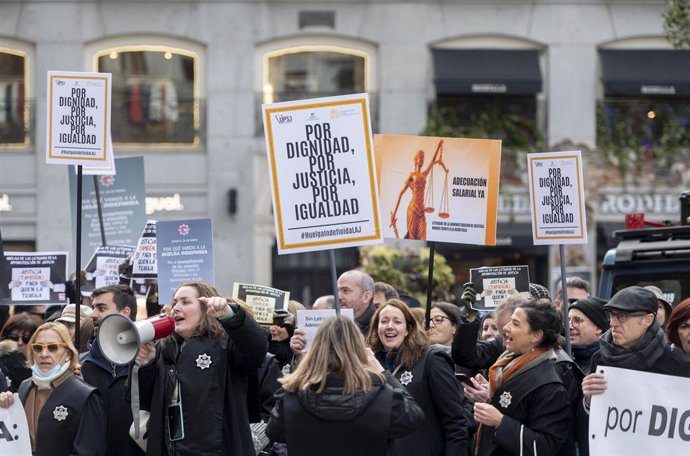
640, 413
322, 173
14, 430
310, 320
78, 119
557, 197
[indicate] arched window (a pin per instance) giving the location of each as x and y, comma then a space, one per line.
14, 109
314, 71
155, 94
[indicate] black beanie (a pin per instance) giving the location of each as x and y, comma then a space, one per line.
593, 307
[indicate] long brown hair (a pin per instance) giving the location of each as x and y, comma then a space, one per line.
207, 324
415, 342
338, 347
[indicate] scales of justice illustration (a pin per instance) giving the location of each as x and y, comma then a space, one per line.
421, 183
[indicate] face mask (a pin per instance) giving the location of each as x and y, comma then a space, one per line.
40, 374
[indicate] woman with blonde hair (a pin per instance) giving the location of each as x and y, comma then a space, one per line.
340, 400
401, 345
64, 414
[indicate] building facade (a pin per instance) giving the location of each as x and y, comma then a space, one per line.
189, 78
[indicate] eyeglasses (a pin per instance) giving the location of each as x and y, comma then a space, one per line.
577, 321
52, 347
17, 338
622, 317
438, 319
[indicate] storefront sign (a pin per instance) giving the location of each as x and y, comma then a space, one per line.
164, 204
629, 203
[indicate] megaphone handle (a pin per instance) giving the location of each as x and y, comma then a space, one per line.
134, 385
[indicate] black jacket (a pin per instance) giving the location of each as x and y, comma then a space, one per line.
431, 382
473, 355
338, 424
71, 421
110, 381
13, 364
213, 389
536, 413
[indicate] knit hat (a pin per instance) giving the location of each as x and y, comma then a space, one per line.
633, 299
539, 291
593, 308
661, 297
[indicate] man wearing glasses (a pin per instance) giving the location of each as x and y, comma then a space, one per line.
587, 323
635, 341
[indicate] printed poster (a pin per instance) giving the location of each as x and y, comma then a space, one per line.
263, 300
184, 252
494, 284
322, 173
639, 414
439, 189
144, 261
310, 320
103, 267
78, 118
123, 206
557, 197
14, 430
32, 278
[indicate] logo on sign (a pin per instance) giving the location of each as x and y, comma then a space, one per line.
107, 181
281, 118
183, 229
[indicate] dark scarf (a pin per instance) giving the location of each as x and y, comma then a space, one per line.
582, 354
641, 356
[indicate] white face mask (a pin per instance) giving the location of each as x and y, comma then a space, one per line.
43, 379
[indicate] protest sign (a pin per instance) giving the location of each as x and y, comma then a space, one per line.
640, 413
494, 284
184, 252
123, 206
144, 261
78, 118
321, 163
102, 269
310, 320
263, 300
439, 189
557, 197
14, 430
35, 278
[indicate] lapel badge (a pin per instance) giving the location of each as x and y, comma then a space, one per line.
60, 413
203, 361
406, 378
505, 399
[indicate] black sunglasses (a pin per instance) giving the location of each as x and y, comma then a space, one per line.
16, 338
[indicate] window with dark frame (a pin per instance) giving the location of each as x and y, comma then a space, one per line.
13, 102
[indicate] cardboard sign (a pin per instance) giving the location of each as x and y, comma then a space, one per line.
640, 413
78, 118
35, 278
439, 189
557, 197
14, 430
322, 173
263, 300
310, 320
494, 284
102, 269
184, 252
123, 206
144, 261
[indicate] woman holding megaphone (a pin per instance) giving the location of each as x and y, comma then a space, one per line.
194, 381
64, 414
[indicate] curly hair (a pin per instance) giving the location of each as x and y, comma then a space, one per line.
543, 317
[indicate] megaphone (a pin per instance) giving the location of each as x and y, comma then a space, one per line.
120, 338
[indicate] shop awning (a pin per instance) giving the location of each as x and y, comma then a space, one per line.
483, 71
646, 73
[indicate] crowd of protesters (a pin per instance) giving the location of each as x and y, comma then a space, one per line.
471, 383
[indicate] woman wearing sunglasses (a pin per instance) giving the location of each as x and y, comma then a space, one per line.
64, 414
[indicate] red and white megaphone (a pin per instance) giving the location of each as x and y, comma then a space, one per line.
120, 338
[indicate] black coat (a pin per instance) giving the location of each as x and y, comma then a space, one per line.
213, 384
338, 424
71, 421
431, 382
110, 381
536, 413
473, 355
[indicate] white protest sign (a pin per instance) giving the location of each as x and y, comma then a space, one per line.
322, 173
78, 119
557, 197
640, 413
263, 300
310, 320
14, 431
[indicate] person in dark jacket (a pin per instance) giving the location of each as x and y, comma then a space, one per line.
64, 414
194, 382
528, 412
635, 341
13, 364
401, 345
110, 378
340, 398
587, 323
